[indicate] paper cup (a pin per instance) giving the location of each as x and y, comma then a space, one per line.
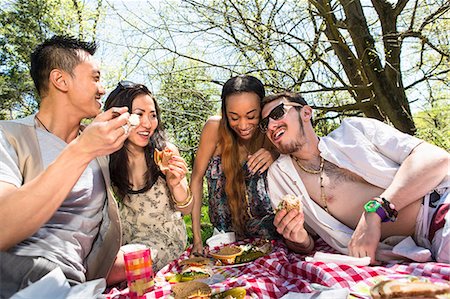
138, 268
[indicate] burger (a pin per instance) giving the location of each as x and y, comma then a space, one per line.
195, 268
395, 288
289, 202
162, 158
191, 290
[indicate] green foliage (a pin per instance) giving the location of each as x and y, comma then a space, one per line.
433, 125
23, 25
186, 104
205, 225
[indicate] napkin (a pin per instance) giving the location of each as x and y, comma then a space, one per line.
338, 259
220, 238
55, 285
335, 294
409, 249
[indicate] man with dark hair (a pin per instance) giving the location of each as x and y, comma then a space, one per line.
56, 208
364, 183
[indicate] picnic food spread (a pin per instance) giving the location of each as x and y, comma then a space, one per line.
281, 271
395, 288
162, 158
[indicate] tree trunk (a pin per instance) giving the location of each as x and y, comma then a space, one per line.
385, 89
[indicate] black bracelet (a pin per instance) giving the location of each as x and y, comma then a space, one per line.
388, 207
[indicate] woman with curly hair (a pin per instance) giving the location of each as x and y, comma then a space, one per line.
232, 155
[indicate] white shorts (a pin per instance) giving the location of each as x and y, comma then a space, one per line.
434, 218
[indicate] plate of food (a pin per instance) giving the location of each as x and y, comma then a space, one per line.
241, 255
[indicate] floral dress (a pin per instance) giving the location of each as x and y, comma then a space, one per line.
150, 218
261, 222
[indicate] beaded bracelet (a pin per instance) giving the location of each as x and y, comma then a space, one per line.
187, 202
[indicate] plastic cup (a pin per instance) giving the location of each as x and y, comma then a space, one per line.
138, 268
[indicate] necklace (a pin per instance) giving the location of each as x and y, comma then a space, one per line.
42, 124
323, 196
249, 211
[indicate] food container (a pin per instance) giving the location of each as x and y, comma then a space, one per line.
227, 255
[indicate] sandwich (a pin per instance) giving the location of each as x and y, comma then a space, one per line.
289, 202
195, 268
408, 289
162, 158
191, 290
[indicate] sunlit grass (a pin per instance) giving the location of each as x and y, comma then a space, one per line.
205, 224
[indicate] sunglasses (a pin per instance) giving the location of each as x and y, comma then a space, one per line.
126, 84
277, 113
123, 85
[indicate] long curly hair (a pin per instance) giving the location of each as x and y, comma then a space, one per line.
124, 95
228, 141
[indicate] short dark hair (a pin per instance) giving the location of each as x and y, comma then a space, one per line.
59, 52
289, 96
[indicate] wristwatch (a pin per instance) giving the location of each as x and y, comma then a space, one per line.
383, 208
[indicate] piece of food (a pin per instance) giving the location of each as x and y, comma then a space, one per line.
191, 290
195, 268
195, 261
408, 289
162, 158
254, 251
134, 120
173, 278
227, 254
235, 293
289, 202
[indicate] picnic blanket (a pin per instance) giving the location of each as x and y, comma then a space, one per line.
283, 271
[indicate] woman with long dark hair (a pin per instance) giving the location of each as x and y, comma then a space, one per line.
232, 155
152, 200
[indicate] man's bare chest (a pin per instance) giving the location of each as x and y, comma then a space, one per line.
343, 192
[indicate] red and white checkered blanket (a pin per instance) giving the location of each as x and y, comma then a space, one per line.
283, 271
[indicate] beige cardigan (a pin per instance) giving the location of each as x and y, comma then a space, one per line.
22, 136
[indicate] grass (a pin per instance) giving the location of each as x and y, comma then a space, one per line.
205, 225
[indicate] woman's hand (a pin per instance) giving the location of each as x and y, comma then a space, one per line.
177, 171
260, 161
197, 249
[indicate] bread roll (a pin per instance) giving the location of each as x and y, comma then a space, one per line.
408, 289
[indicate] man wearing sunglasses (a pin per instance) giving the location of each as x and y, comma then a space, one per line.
56, 210
361, 186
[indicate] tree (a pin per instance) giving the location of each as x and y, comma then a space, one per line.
24, 25
356, 57
186, 104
